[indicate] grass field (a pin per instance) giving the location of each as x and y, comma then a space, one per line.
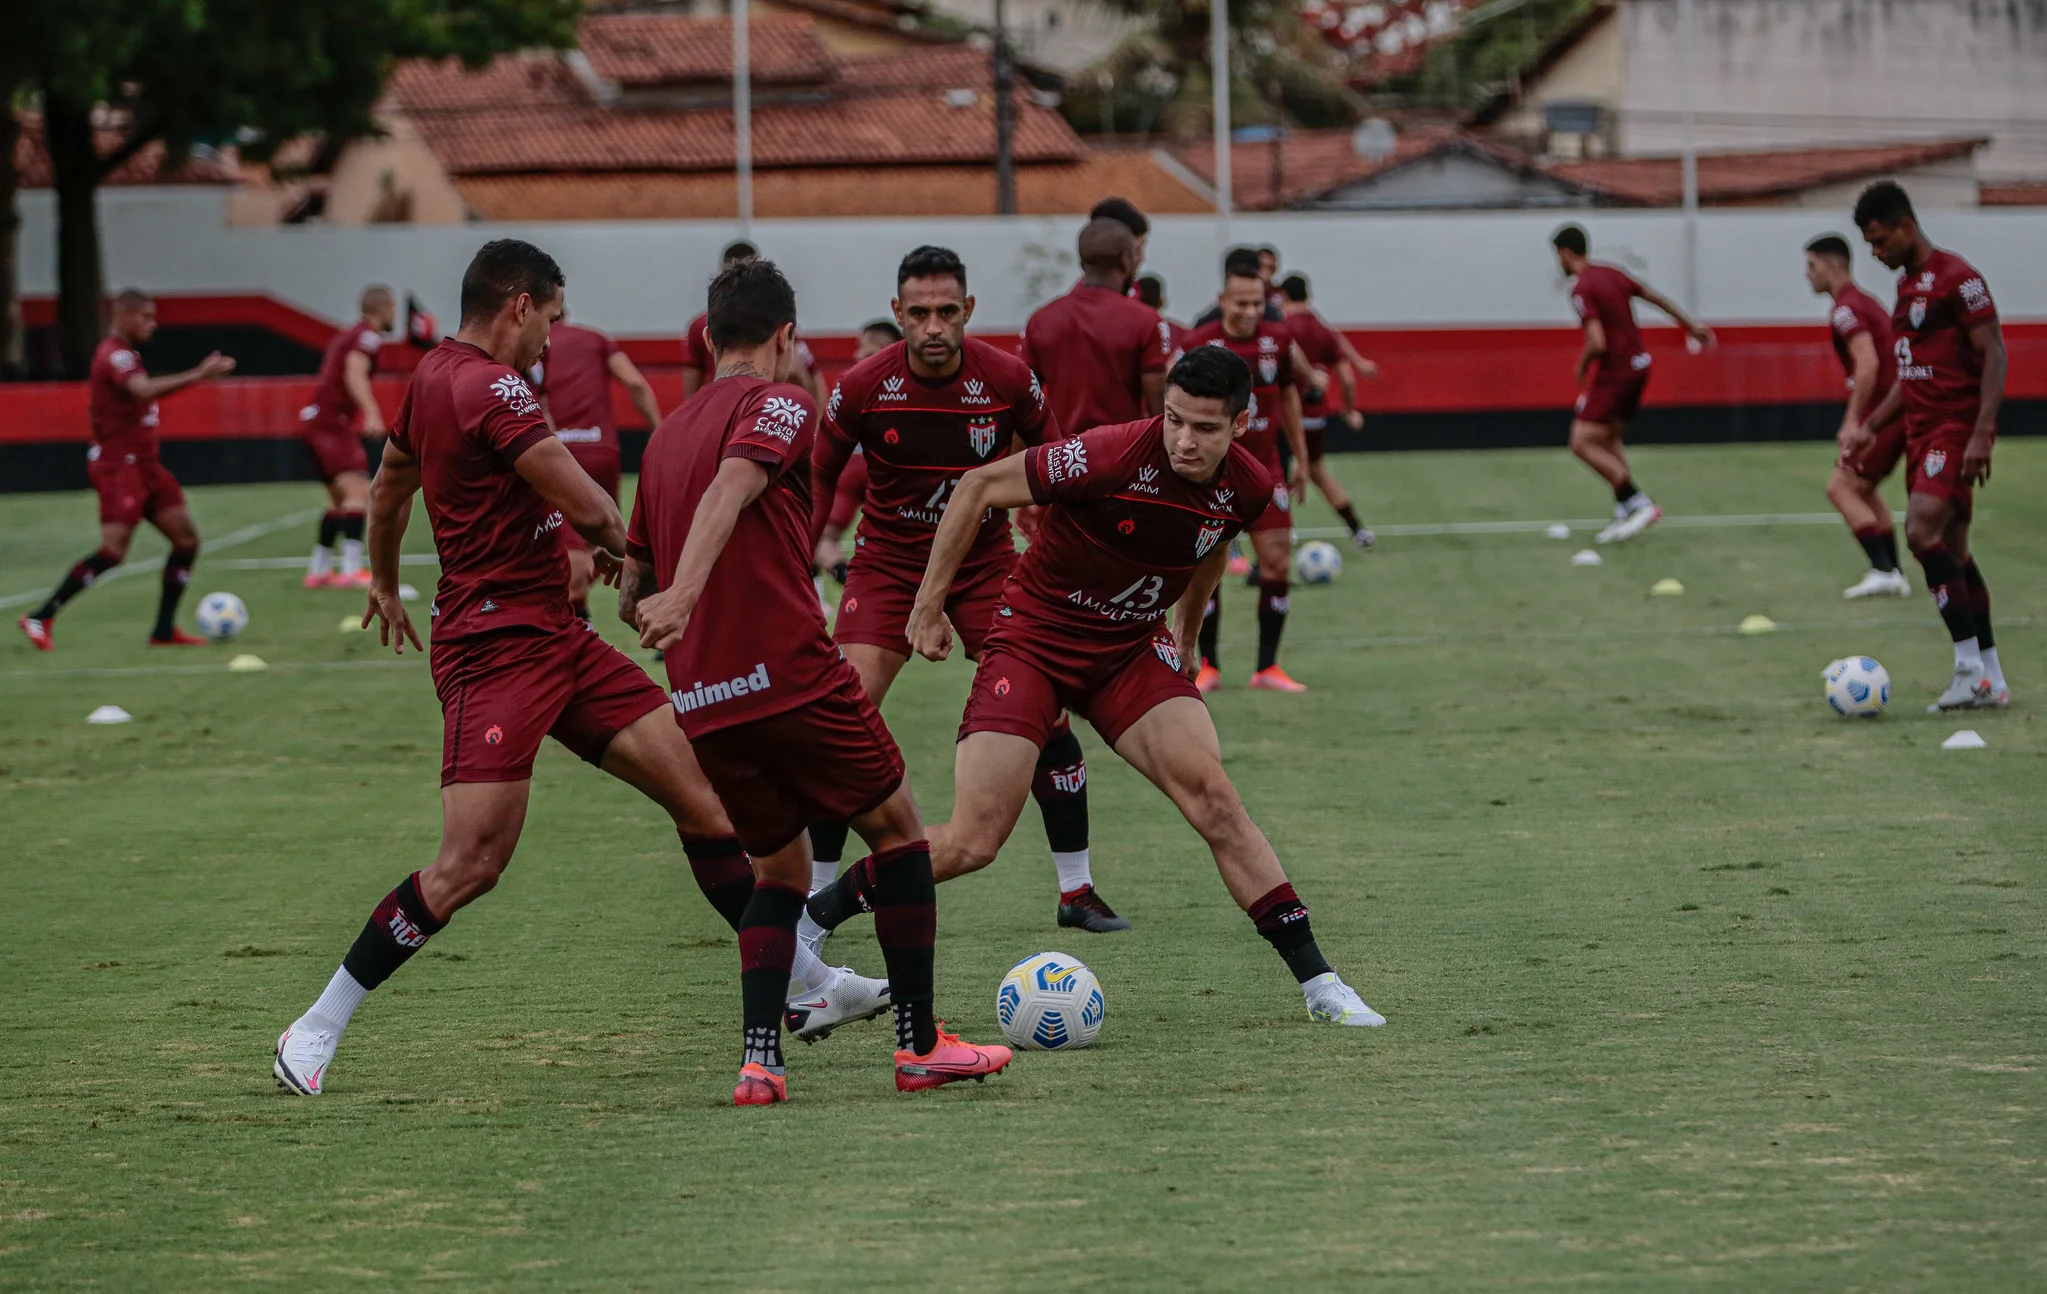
1690, 984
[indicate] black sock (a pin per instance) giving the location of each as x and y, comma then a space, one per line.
76, 581
1882, 547
723, 871
1283, 919
582, 611
1060, 787
330, 528
398, 928
1950, 590
1272, 608
906, 926
353, 524
1349, 513
1211, 621
767, 947
177, 573
1979, 603
844, 898
1626, 491
828, 842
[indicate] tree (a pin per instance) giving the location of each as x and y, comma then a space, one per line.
117, 76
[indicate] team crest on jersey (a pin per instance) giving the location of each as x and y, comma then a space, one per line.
1207, 537
1168, 651
1935, 460
981, 435
1066, 462
1268, 369
1917, 314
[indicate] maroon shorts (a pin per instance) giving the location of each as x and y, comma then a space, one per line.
1315, 430
1933, 465
603, 469
1024, 687
131, 488
1879, 458
1611, 399
829, 760
336, 450
502, 693
880, 592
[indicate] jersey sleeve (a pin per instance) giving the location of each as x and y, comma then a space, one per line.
1255, 494
1845, 321
400, 433
773, 426
507, 413
1070, 470
841, 421
1972, 301
1035, 422
369, 344
637, 546
1157, 354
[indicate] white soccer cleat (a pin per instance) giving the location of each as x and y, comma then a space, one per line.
844, 999
1967, 690
1880, 584
302, 1058
1999, 699
1335, 1002
1625, 528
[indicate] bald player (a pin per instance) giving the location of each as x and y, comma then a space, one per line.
1101, 354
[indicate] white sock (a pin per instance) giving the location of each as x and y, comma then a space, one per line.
351, 556
1640, 502
322, 560
1992, 669
823, 872
1968, 655
337, 1005
810, 935
808, 972
1073, 871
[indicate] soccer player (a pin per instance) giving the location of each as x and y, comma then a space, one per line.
1137, 519
721, 528
1125, 213
343, 411
510, 663
1613, 369
696, 353
124, 467
875, 337
1267, 349
1102, 355
1242, 261
1332, 355
574, 386
1861, 332
1951, 366
1151, 289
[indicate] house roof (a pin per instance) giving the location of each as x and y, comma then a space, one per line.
2013, 193
1741, 177
1545, 58
32, 162
1311, 163
653, 49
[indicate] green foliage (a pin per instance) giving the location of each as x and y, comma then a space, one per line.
1484, 56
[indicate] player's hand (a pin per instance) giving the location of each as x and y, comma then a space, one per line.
1976, 459
394, 627
1367, 369
1354, 419
930, 633
1190, 655
1853, 439
605, 566
216, 365
827, 554
1701, 334
1297, 482
373, 425
664, 618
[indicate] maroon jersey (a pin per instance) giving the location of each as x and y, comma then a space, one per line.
467, 418
1318, 342
1122, 532
1269, 353
575, 376
756, 645
921, 435
1855, 313
1092, 347
333, 407
1607, 294
121, 424
1941, 369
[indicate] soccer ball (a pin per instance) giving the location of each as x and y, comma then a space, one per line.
1050, 1002
222, 616
1317, 563
1857, 688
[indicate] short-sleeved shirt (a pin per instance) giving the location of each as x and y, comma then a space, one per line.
121, 424
922, 434
333, 405
1607, 294
1123, 532
1269, 354
466, 418
1319, 343
756, 645
1856, 313
1091, 348
1942, 371
575, 376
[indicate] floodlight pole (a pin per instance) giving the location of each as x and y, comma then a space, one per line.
1219, 75
742, 114
1690, 155
1005, 117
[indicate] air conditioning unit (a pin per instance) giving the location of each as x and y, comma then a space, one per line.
1576, 128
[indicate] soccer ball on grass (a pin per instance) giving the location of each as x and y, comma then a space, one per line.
222, 616
1050, 1002
1857, 688
1317, 563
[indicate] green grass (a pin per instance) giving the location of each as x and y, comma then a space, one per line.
1690, 984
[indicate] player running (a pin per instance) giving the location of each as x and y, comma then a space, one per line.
573, 381
1137, 519
1613, 370
1951, 366
1101, 354
1267, 349
510, 663
1861, 332
343, 411
786, 734
924, 412
1332, 356
124, 467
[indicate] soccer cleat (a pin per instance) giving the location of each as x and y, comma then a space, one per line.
312, 581
1274, 679
1967, 690
948, 1062
847, 998
1335, 1002
1084, 910
178, 638
1880, 584
1628, 527
302, 1058
759, 1085
1239, 564
1999, 699
1364, 539
38, 633
351, 580
1208, 678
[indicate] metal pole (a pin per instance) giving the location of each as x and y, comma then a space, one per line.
1005, 118
1690, 156
742, 114
1219, 74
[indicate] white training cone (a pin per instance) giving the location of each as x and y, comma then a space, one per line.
1757, 625
1966, 739
1666, 588
1586, 557
1558, 530
109, 714
246, 664
406, 593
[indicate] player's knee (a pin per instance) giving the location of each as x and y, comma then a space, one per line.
1923, 534
1210, 804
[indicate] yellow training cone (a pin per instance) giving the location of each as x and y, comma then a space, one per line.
1758, 625
246, 664
351, 624
1665, 588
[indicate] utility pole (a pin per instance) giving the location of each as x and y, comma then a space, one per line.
1005, 117
1219, 76
742, 114
1690, 155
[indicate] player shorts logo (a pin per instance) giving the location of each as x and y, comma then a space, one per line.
1167, 651
493, 735
1280, 498
1935, 460
518, 397
1917, 313
981, 434
1207, 537
1067, 461
1639, 362
1002, 687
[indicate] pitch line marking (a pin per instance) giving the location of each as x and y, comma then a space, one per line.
145, 671
232, 539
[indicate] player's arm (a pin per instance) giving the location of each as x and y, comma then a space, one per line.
1595, 346
636, 579
1988, 339
145, 388
1297, 440
391, 491
1193, 605
553, 472
355, 375
664, 617
1153, 388
1697, 331
1853, 435
1000, 484
637, 389
1886, 408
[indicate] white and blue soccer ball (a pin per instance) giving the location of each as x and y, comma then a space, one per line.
1317, 563
1858, 687
222, 616
1050, 1002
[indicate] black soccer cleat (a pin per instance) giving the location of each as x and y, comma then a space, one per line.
1085, 910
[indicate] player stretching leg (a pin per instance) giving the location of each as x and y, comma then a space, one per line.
1951, 366
1861, 333
924, 412
343, 411
125, 469
1613, 370
722, 528
510, 663
1332, 356
1135, 522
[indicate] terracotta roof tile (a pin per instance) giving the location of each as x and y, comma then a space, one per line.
2013, 193
146, 167
1737, 177
652, 49
527, 80
1311, 163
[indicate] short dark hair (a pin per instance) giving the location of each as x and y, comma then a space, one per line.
739, 251
1214, 373
132, 299
1571, 238
1267, 249
750, 300
928, 262
1831, 245
1294, 287
1124, 212
1883, 203
1240, 263
886, 327
503, 268
1151, 289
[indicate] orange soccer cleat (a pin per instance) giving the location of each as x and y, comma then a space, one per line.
352, 580
178, 638
948, 1062
38, 633
759, 1085
1238, 564
313, 581
1208, 678
1274, 679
